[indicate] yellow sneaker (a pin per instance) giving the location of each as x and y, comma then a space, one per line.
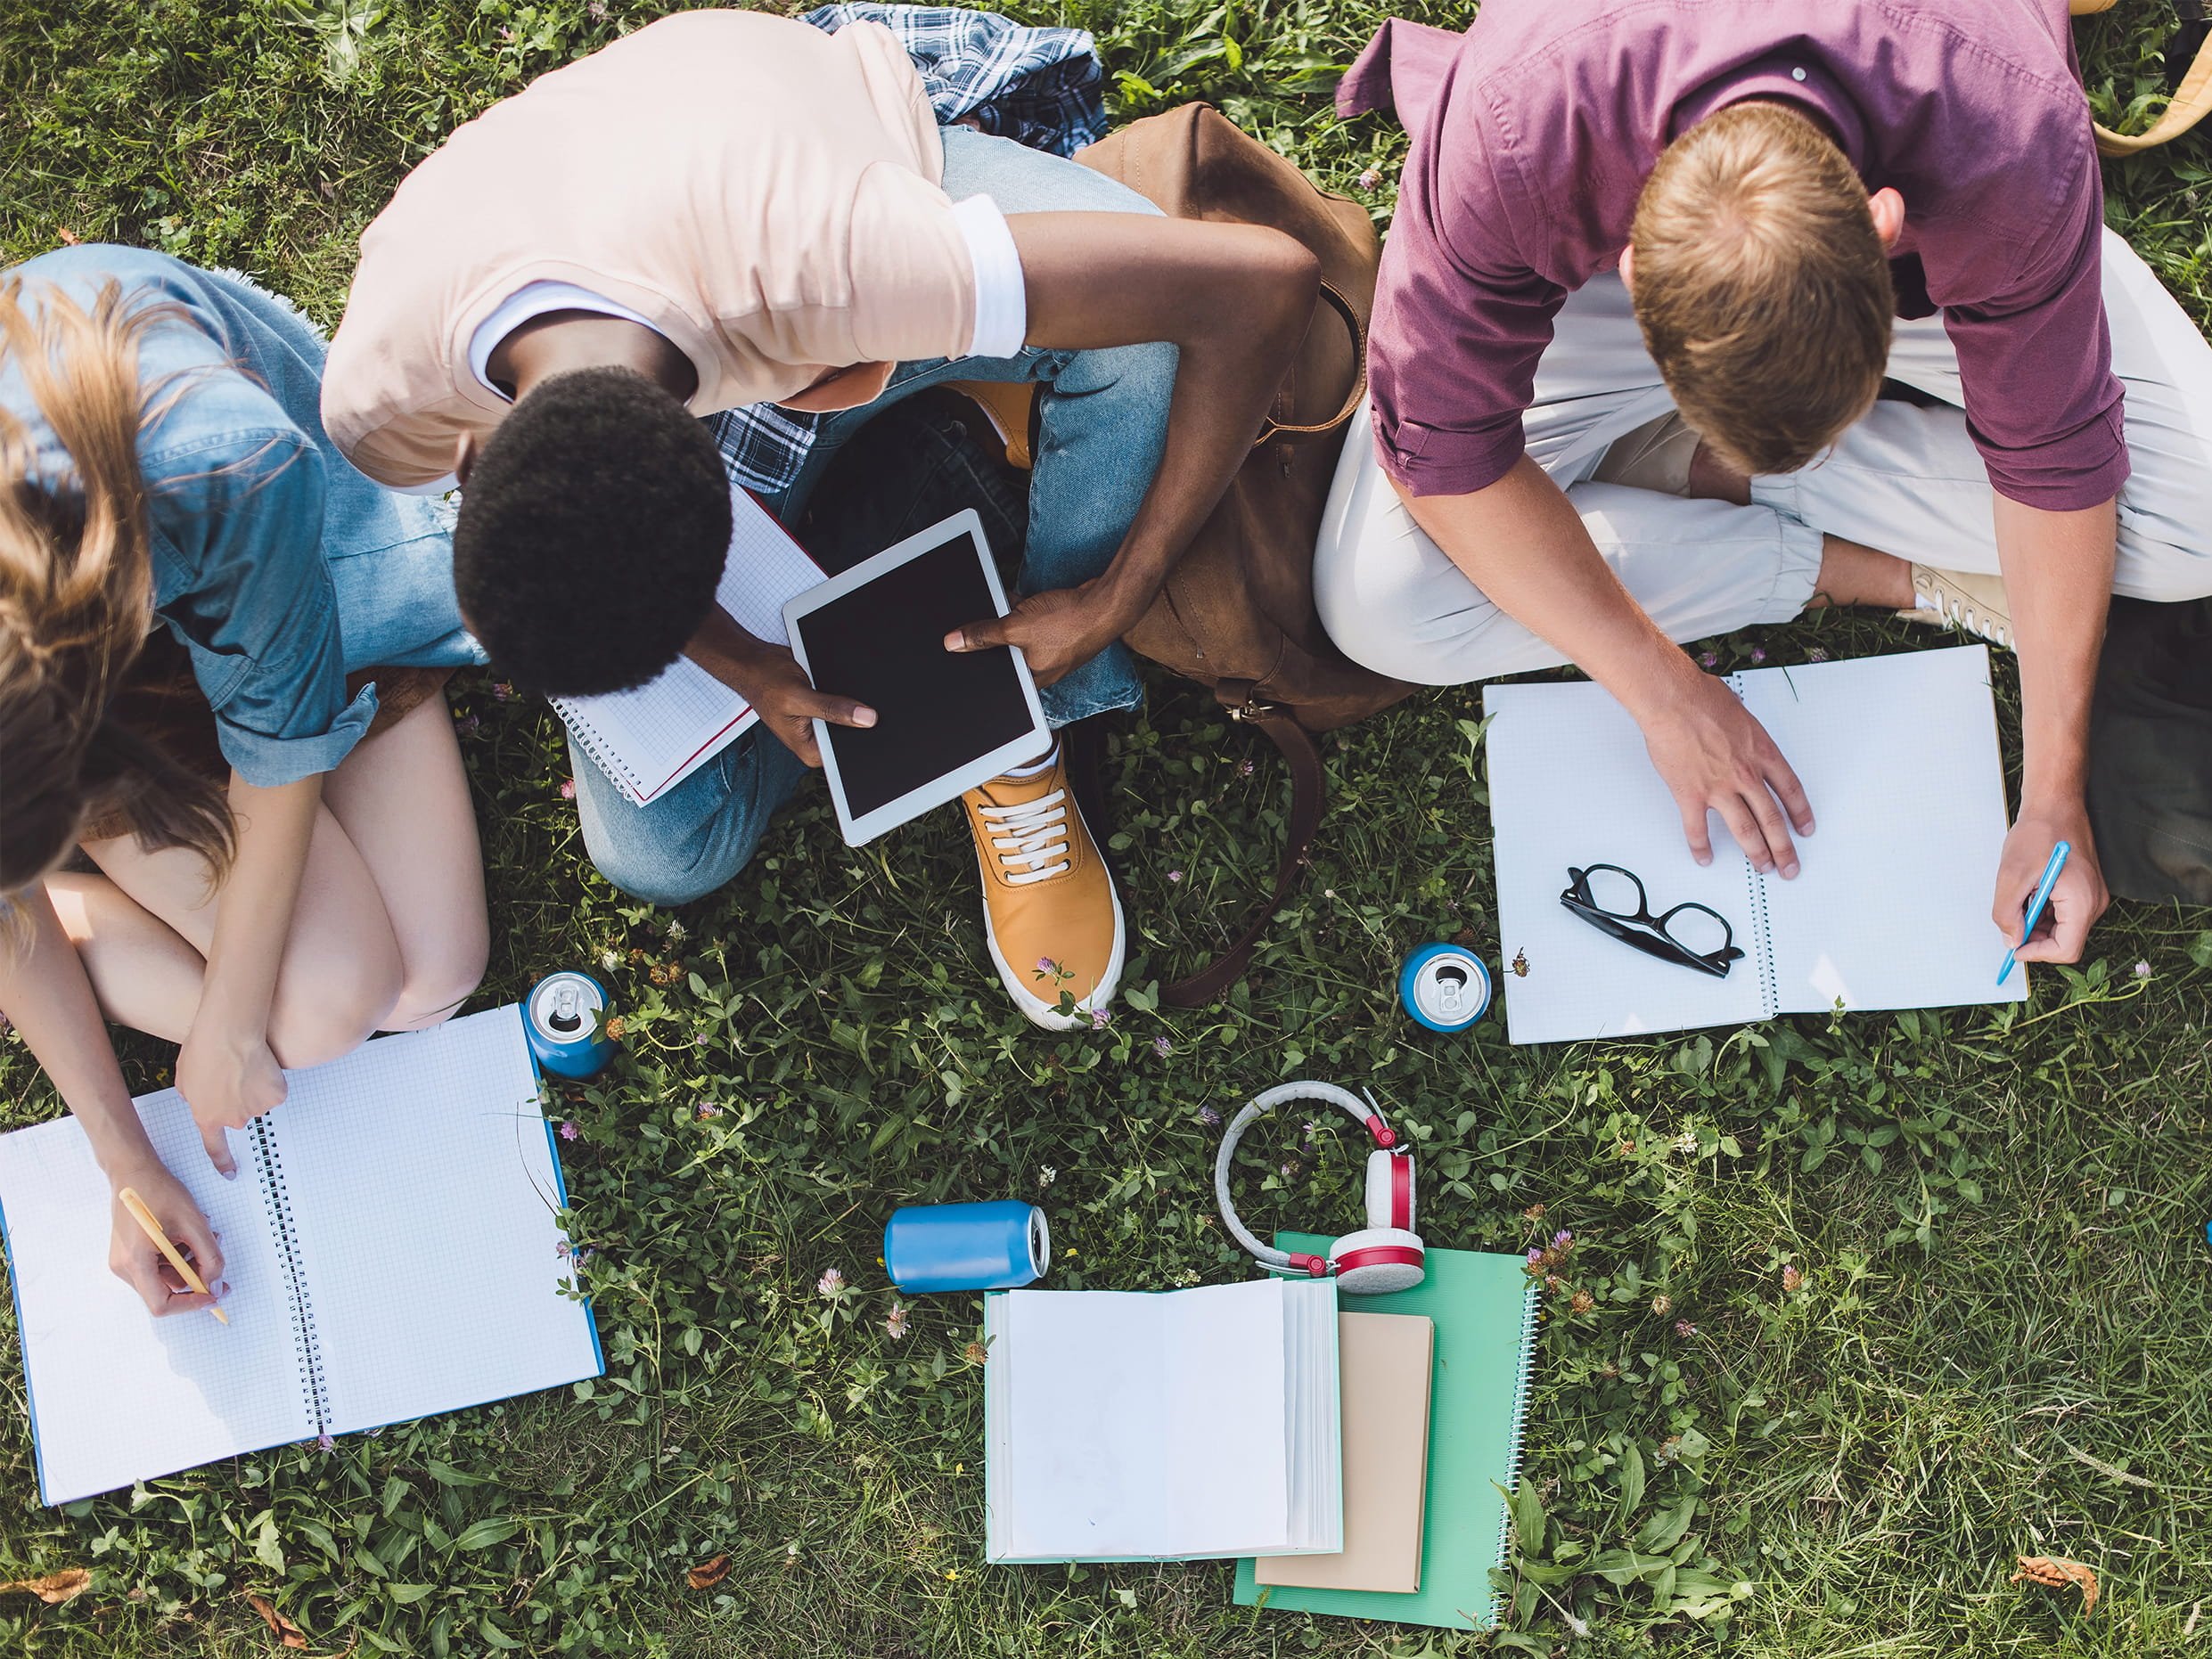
1049, 913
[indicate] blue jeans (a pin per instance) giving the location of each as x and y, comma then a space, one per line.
1102, 425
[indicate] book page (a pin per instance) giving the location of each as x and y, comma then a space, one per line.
1890, 906
117, 1395
1118, 1443
1571, 785
650, 738
423, 1191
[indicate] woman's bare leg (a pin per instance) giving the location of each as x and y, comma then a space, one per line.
402, 800
340, 973
142, 972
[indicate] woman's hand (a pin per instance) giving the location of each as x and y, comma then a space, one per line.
136, 1259
229, 1080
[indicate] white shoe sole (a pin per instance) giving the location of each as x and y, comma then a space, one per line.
1035, 1008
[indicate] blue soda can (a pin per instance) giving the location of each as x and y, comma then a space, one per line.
1445, 987
563, 1014
967, 1247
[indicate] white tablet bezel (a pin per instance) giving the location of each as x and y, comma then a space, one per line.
1017, 751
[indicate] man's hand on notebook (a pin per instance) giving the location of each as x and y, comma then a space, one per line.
1057, 631
1714, 755
136, 1260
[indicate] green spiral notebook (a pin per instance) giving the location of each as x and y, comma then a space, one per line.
1485, 1309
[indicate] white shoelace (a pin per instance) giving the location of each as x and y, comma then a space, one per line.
1033, 834
1966, 617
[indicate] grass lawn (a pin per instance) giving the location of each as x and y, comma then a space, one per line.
2001, 1344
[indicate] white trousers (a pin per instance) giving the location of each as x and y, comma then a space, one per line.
1905, 479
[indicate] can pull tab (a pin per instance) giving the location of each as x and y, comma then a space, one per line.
565, 1017
1451, 989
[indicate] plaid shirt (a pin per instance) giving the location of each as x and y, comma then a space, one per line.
1037, 86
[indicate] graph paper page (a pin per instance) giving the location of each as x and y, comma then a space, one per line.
1899, 757
117, 1395
423, 1192
650, 739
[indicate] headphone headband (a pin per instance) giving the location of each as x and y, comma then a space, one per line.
1362, 1111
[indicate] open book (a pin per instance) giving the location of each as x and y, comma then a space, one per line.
1123, 1426
649, 740
392, 1246
1890, 906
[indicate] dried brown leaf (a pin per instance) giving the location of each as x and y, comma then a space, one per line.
287, 1633
709, 1574
52, 1588
2058, 1573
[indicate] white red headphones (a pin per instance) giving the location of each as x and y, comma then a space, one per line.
1387, 1255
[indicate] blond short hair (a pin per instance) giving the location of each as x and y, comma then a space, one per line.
1762, 286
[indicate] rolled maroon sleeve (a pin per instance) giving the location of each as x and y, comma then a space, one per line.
2036, 366
1460, 320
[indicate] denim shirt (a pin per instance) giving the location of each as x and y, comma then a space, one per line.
258, 525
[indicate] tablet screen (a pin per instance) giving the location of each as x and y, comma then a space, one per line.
883, 644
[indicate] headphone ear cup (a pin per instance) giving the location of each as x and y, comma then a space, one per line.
1377, 1260
1390, 1189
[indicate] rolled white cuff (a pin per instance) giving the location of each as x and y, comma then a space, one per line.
1002, 302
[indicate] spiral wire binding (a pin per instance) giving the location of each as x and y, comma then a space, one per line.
1531, 1309
314, 1385
1762, 940
596, 743
1762, 925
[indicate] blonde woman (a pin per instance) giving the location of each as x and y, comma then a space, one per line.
205, 831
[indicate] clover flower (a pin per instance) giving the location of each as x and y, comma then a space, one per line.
830, 1285
895, 1326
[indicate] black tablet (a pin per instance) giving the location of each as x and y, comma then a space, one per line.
945, 721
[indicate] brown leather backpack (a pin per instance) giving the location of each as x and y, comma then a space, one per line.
1237, 613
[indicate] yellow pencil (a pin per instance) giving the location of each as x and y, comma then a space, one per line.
144, 1216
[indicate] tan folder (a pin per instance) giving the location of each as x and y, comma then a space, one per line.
1384, 1360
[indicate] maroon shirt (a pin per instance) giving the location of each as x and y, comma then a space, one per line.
1533, 134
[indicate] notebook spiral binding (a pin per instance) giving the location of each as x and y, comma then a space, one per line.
314, 1384
1531, 1310
1762, 944
587, 738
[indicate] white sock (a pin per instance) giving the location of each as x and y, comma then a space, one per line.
1050, 758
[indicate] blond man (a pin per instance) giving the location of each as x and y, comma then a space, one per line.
1651, 265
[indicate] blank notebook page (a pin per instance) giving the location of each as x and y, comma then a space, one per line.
644, 738
1890, 908
424, 1193
116, 1394
1571, 784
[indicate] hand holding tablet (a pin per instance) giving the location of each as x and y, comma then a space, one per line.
945, 721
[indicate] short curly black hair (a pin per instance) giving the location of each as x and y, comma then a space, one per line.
592, 530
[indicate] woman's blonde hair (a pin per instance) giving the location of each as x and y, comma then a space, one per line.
1762, 286
77, 595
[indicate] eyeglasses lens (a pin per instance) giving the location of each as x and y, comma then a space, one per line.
1614, 891
1697, 932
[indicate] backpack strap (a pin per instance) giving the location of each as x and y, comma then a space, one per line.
1332, 297
2191, 87
1309, 798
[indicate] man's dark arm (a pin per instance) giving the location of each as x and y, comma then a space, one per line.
1235, 301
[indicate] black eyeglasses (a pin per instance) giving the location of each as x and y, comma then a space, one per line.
1611, 900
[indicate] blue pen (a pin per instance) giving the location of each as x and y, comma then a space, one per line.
2043, 896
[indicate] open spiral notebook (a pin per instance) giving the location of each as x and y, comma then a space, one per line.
392, 1246
1889, 909
649, 740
